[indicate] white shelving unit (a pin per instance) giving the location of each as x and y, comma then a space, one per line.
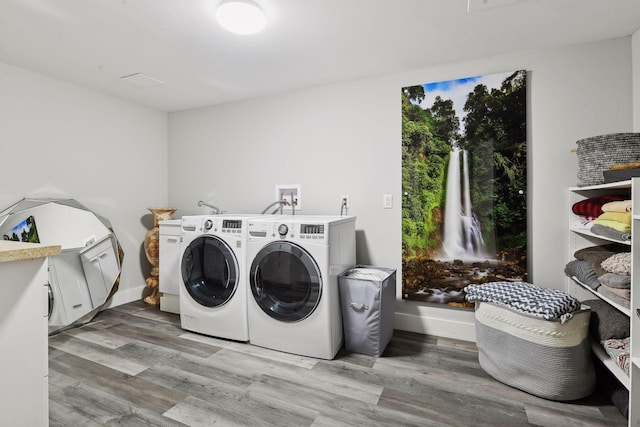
634, 368
581, 238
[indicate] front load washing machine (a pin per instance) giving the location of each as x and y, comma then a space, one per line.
213, 288
293, 267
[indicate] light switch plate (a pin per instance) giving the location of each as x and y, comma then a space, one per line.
387, 201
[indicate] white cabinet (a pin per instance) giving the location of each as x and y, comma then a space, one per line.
170, 233
70, 293
101, 268
24, 398
580, 238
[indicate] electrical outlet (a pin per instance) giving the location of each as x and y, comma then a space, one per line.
291, 193
345, 201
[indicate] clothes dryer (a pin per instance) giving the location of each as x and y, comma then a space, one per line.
293, 265
213, 288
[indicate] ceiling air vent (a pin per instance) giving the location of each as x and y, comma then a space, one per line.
142, 80
475, 5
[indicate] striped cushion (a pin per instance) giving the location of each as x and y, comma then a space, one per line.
525, 298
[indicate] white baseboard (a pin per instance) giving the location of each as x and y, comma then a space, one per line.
456, 329
461, 328
123, 296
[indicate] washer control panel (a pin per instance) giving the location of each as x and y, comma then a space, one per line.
213, 224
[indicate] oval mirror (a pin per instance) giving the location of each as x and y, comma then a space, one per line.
86, 273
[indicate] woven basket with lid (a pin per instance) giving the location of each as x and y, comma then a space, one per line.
597, 153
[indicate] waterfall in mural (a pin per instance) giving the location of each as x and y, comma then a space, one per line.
464, 215
462, 238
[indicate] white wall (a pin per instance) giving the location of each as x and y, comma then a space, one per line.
345, 139
59, 140
118, 158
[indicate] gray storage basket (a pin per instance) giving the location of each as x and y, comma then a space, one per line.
546, 358
596, 154
367, 308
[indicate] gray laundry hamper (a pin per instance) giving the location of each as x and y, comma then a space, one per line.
367, 296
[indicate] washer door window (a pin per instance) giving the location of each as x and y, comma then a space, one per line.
209, 271
285, 281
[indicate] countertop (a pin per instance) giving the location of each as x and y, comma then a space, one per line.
16, 251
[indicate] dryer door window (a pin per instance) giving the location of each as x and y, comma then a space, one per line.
209, 271
285, 281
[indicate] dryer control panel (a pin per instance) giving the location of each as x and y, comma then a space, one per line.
287, 230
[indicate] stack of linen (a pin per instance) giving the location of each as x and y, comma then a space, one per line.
611, 329
615, 221
605, 269
616, 281
607, 216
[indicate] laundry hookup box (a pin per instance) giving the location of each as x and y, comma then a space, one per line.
367, 297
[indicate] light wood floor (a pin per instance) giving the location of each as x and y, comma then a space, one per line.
135, 366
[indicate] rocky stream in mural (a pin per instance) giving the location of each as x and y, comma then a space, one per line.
464, 186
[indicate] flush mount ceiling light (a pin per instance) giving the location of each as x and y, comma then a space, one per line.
240, 16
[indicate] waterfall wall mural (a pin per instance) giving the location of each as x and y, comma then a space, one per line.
464, 160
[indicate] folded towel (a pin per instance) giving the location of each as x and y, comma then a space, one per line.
592, 207
611, 233
584, 272
594, 255
612, 280
606, 321
616, 225
621, 206
623, 217
619, 263
622, 293
619, 350
605, 292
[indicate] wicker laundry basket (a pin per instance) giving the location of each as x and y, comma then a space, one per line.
549, 359
596, 154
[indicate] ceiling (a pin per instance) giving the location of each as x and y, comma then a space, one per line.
93, 43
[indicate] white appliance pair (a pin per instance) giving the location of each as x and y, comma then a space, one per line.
269, 280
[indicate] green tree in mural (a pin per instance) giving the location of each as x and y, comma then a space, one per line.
423, 158
446, 125
495, 137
